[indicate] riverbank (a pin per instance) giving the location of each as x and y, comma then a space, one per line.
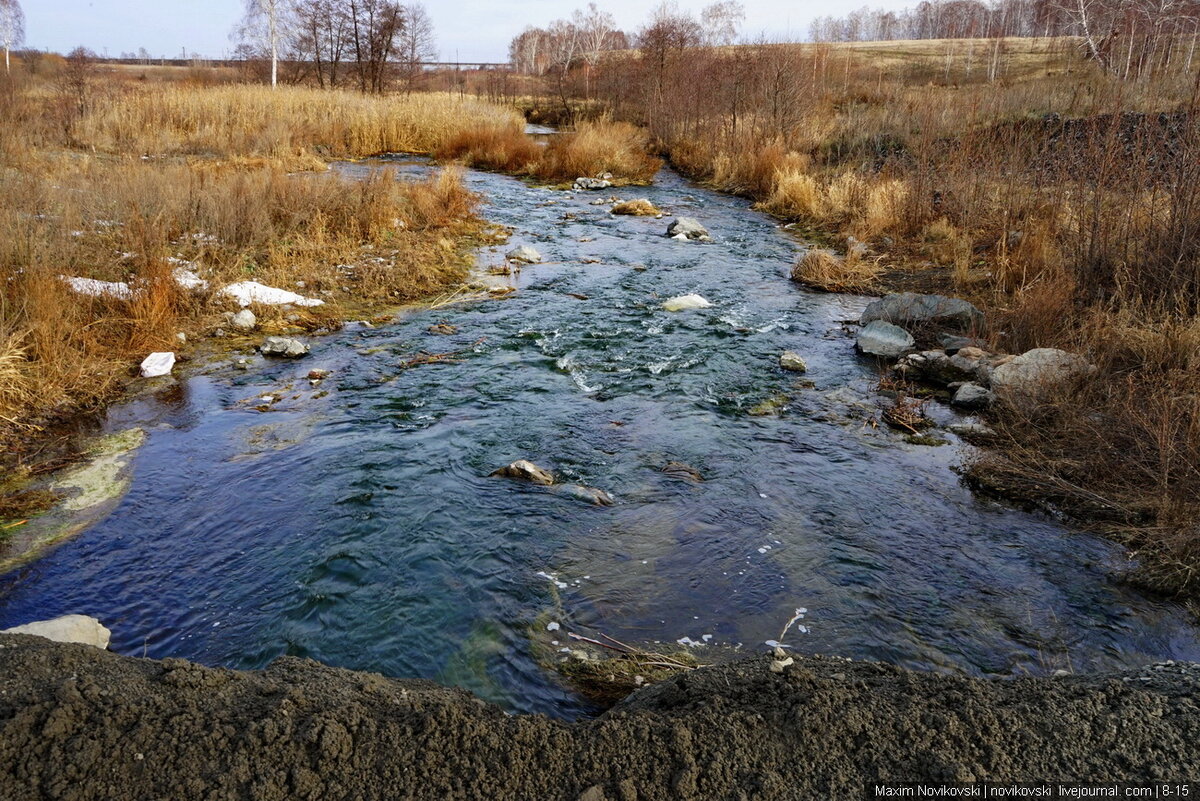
77, 723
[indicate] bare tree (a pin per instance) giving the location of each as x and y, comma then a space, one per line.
417, 43
12, 27
376, 27
722, 21
322, 35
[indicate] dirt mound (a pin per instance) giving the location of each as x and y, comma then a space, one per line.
79, 723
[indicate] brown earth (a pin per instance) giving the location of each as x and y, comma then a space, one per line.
80, 723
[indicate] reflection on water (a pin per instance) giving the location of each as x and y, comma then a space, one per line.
359, 527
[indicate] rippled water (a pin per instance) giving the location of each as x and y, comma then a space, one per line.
361, 528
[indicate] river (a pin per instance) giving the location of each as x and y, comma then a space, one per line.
356, 523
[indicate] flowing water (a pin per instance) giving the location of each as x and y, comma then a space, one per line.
357, 524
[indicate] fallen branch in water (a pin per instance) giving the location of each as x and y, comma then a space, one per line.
438, 358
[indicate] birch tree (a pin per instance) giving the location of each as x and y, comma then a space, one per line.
12, 28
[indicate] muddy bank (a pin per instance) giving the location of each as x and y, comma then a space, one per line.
79, 723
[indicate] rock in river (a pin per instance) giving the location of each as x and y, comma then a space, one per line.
524, 254
880, 338
68, 628
908, 309
688, 228
685, 302
283, 347
596, 497
526, 471
790, 360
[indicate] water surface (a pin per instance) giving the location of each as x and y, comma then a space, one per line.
360, 527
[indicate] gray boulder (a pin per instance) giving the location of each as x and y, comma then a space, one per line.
936, 367
790, 360
80, 629
1033, 373
526, 471
972, 396
908, 309
524, 254
879, 338
283, 348
591, 184
688, 228
243, 320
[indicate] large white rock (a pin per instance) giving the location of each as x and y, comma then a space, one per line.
247, 292
684, 302
790, 360
1034, 372
526, 471
157, 364
68, 628
879, 338
243, 320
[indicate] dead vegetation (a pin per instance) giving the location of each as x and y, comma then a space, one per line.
146, 183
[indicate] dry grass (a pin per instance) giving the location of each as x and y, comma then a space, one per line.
219, 199
241, 121
822, 269
639, 207
592, 149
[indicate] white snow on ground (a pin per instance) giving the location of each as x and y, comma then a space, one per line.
247, 292
99, 289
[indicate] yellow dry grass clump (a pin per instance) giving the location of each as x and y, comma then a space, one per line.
824, 270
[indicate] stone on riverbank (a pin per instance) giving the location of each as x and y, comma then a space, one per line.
526, 471
80, 629
909, 310
245, 320
1032, 374
583, 184
880, 338
283, 348
972, 396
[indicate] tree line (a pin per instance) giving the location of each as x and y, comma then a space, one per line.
361, 43
1130, 38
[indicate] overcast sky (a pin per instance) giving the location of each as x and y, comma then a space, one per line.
475, 30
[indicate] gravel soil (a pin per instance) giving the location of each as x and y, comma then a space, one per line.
79, 723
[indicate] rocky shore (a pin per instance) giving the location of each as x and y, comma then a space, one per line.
80, 723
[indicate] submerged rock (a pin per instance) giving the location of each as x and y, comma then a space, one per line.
688, 228
908, 309
596, 497
283, 347
880, 338
157, 364
685, 302
790, 360
80, 629
524, 254
526, 471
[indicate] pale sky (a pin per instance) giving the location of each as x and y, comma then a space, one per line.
477, 30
